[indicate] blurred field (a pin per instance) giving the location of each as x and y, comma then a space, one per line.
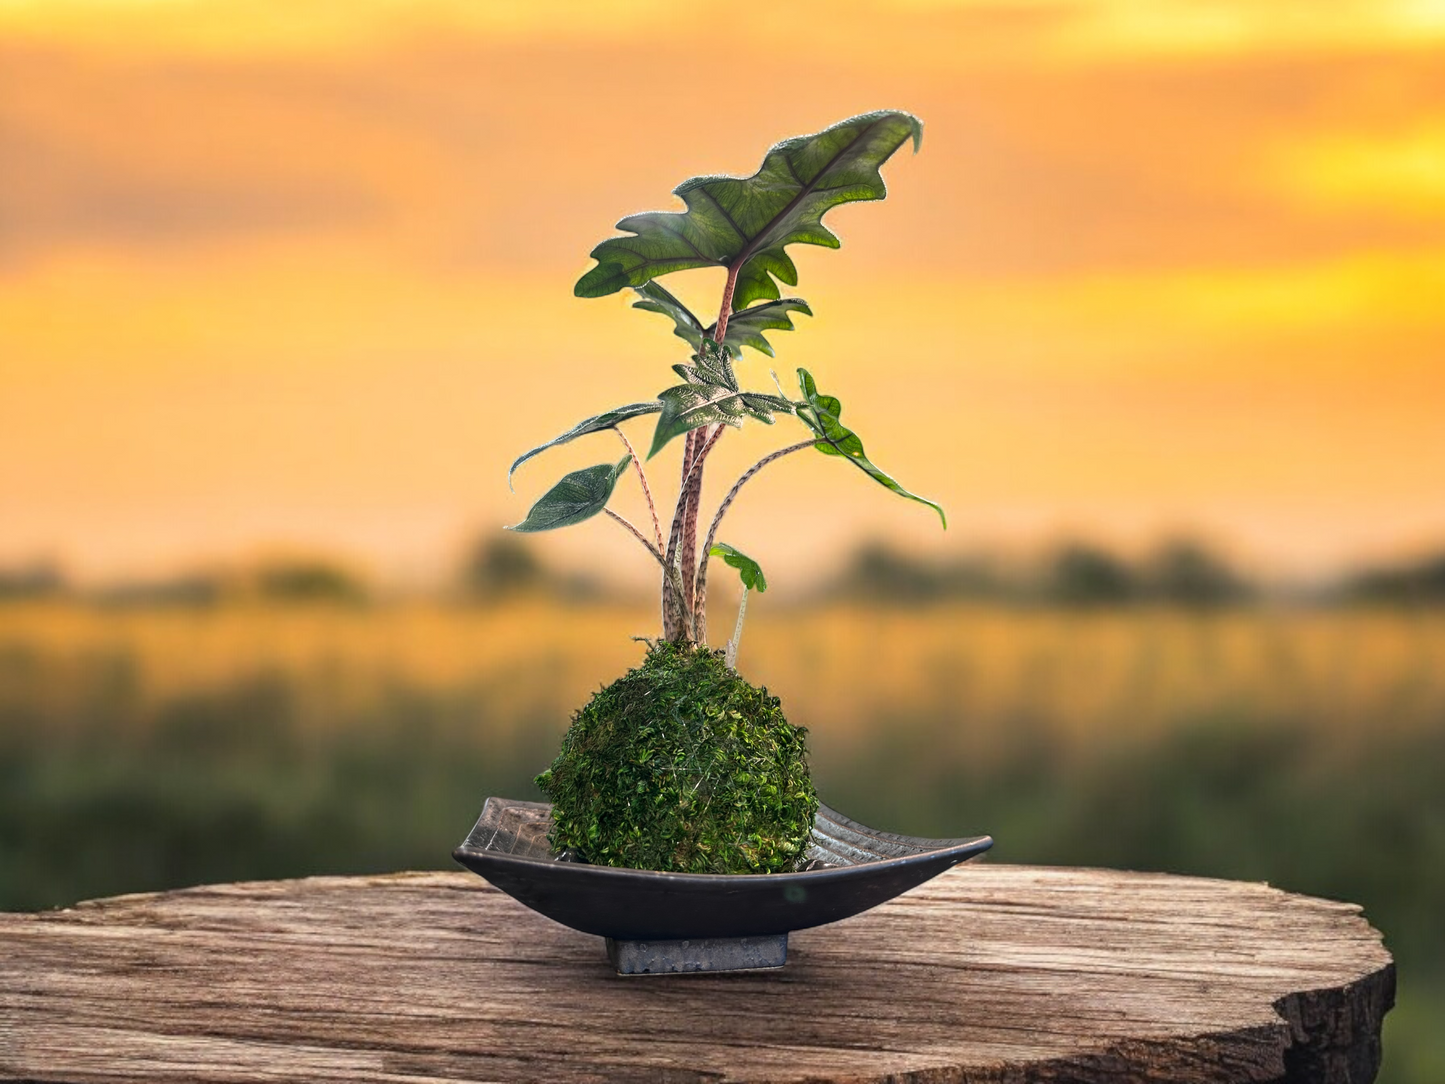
144, 748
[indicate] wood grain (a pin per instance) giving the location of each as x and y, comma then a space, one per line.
989, 973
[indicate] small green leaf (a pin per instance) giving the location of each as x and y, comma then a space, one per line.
750, 571
606, 420
710, 396
688, 406
745, 328
578, 496
820, 414
709, 366
746, 223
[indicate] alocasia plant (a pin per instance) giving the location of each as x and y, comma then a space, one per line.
744, 225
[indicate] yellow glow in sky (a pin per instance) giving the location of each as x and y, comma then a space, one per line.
300, 273
1075, 28
1400, 172
237, 27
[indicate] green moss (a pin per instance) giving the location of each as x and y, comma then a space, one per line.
682, 765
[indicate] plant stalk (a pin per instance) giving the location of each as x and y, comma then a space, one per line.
687, 556
681, 620
671, 582
720, 331
699, 601
646, 490
706, 440
657, 553
732, 653
677, 620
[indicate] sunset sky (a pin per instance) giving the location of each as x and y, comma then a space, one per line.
298, 275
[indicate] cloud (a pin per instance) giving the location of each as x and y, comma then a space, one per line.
467, 154
58, 197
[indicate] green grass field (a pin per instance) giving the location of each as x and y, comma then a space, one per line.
145, 749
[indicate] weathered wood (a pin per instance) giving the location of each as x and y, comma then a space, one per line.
990, 973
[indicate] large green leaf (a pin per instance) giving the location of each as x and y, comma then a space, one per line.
710, 396
745, 328
746, 223
578, 496
820, 414
750, 571
606, 420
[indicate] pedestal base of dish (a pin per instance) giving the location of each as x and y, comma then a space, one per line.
698, 954
664, 923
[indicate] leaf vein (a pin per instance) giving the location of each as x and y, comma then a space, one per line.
755, 245
724, 211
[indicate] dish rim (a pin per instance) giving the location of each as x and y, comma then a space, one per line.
966, 847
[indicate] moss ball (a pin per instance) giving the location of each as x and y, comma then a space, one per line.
682, 765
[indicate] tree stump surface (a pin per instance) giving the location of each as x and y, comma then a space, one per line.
988, 973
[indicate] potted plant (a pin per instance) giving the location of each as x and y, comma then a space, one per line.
681, 765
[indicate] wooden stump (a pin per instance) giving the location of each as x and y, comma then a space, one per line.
989, 973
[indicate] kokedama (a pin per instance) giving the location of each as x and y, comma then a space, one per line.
682, 764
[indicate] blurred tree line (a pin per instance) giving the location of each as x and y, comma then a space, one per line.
312, 579
1180, 572
1074, 574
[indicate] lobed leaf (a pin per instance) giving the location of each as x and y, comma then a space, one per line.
745, 328
746, 223
607, 420
820, 414
578, 496
750, 571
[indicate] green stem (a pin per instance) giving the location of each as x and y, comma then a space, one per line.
732, 655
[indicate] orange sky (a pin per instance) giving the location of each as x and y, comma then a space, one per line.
300, 274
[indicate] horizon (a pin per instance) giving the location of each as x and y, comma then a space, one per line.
1008, 573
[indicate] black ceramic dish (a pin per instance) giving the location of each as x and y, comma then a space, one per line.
702, 921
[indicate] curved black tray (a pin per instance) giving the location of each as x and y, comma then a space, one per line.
850, 868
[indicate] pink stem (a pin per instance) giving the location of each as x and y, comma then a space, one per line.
638, 535
646, 492
720, 332
699, 607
